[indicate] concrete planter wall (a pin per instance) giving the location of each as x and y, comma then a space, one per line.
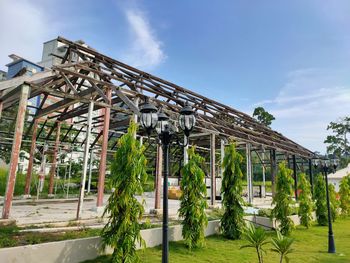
77, 250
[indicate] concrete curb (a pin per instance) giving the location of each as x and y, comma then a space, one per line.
78, 250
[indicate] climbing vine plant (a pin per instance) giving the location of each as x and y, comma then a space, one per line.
193, 200
128, 172
283, 199
232, 222
320, 199
305, 201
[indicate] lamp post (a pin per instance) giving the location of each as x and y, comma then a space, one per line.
325, 165
151, 119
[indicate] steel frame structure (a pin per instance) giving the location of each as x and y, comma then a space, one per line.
116, 89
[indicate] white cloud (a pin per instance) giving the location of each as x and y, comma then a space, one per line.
146, 50
25, 26
305, 105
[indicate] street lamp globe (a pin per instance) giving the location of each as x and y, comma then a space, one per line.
187, 120
149, 116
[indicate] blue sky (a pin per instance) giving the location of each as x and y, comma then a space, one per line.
292, 57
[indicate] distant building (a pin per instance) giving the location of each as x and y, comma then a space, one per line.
52, 51
3, 75
20, 66
335, 178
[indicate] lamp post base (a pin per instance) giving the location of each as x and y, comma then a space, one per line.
331, 246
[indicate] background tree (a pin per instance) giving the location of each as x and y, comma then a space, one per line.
232, 221
344, 192
283, 199
193, 200
338, 143
320, 200
128, 172
334, 203
305, 201
263, 116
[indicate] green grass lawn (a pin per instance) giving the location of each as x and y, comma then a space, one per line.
310, 246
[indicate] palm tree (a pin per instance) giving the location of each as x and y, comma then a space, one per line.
256, 236
283, 246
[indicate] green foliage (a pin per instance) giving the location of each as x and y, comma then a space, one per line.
305, 201
266, 212
232, 221
321, 200
334, 203
193, 200
344, 192
263, 116
283, 199
338, 143
256, 237
283, 246
128, 173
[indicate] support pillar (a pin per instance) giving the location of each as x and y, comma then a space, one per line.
31, 160
311, 177
1, 106
85, 160
264, 173
273, 170
212, 169
54, 159
102, 170
295, 177
90, 171
159, 172
249, 173
16, 147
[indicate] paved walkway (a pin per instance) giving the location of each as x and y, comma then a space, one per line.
26, 212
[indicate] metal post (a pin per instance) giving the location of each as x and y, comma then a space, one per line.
222, 155
273, 170
158, 183
90, 170
54, 160
212, 169
331, 245
249, 173
31, 160
1, 106
103, 161
311, 177
165, 247
16, 147
295, 177
185, 155
85, 159
264, 172
69, 172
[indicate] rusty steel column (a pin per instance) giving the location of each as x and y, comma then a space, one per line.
103, 161
31, 160
1, 105
16, 147
159, 172
54, 160
212, 169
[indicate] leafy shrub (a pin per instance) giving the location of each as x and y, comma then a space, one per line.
283, 199
266, 212
282, 245
232, 221
321, 200
193, 200
344, 193
305, 201
128, 173
256, 237
334, 203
